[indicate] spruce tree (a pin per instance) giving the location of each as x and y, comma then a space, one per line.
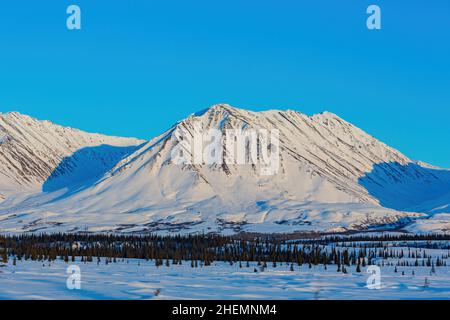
358, 267
5, 255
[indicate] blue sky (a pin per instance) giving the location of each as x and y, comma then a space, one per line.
136, 67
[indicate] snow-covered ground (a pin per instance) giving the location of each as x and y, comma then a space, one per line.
138, 279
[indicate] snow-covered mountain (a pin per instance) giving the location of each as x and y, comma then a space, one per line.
31, 151
332, 176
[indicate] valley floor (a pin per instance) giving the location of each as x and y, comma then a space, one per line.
140, 279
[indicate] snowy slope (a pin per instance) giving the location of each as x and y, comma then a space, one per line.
32, 150
139, 279
332, 177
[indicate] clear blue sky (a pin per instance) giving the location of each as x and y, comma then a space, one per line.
138, 66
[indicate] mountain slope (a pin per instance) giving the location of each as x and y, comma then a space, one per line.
31, 151
332, 176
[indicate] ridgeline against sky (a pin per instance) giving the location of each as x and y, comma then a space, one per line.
134, 69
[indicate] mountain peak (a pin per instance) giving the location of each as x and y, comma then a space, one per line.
17, 118
328, 174
14, 114
327, 115
213, 109
224, 107
31, 149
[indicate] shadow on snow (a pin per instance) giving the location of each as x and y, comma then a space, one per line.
83, 168
409, 187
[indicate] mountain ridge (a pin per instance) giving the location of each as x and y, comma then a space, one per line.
332, 177
33, 148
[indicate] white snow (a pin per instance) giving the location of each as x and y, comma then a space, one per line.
138, 279
332, 177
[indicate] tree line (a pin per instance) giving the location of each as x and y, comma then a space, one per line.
206, 249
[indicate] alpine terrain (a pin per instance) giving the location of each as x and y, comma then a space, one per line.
330, 177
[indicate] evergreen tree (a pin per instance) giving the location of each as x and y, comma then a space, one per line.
4, 255
358, 267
